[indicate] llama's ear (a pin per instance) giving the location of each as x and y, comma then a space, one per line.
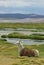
21, 41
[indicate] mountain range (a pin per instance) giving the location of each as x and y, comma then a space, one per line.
21, 16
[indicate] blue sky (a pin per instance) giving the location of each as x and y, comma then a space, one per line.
22, 6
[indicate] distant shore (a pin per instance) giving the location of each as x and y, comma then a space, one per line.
25, 20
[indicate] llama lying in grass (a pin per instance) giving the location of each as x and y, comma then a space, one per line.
25, 51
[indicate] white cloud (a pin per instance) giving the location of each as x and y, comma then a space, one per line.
21, 3
14, 3
14, 6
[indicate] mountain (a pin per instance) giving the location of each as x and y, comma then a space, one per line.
21, 16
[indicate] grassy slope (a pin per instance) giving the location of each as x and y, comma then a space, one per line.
9, 55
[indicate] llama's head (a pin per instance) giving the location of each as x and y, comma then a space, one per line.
19, 44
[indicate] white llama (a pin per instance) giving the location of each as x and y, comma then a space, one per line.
25, 51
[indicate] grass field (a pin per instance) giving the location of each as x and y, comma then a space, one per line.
24, 36
9, 52
22, 25
9, 55
16, 35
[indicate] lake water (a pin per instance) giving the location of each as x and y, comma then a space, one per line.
25, 41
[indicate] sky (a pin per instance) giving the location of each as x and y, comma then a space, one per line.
22, 6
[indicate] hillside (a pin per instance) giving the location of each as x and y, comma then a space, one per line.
34, 18
21, 16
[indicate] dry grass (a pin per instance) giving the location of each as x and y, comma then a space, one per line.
21, 61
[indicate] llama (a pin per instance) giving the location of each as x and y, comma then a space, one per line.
25, 51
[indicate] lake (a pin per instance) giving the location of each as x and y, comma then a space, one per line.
25, 41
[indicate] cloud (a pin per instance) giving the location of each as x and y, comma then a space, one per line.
14, 3
21, 6
19, 3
